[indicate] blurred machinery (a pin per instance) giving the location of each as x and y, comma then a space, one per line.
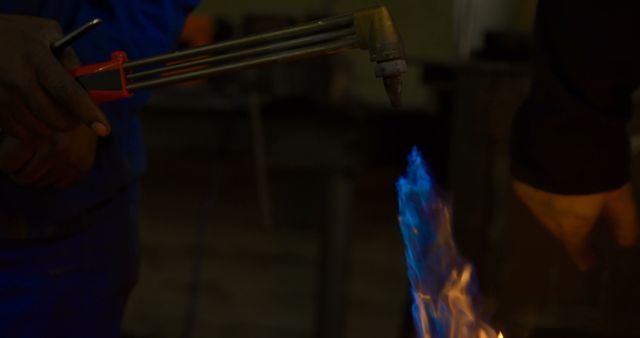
371, 29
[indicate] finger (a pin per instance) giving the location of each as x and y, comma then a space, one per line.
68, 180
50, 29
69, 59
57, 175
64, 121
64, 182
71, 175
14, 155
64, 176
10, 127
48, 111
46, 181
54, 178
16, 120
44, 116
68, 93
34, 125
35, 169
621, 213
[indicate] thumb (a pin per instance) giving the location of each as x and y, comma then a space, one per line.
14, 154
63, 88
622, 215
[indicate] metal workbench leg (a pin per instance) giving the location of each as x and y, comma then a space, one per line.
260, 156
334, 263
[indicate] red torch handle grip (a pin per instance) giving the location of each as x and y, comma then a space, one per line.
105, 81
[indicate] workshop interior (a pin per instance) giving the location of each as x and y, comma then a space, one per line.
281, 136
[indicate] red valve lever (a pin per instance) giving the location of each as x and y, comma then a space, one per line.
105, 81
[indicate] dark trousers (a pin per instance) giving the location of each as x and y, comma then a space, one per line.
75, 287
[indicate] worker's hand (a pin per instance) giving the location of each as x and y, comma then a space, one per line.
38, 96
571, 218
14, 154
58, 164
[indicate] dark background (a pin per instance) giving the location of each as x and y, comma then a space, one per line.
269, 198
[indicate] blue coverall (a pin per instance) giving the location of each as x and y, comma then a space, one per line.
68, 259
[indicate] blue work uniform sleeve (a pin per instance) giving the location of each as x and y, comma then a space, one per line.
141, 28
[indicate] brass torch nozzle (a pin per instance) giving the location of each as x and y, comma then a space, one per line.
377, 33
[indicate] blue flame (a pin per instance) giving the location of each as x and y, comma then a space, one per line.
432, 259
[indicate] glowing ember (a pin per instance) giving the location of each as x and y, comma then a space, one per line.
442, 282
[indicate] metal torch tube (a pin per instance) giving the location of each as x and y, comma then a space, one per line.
288, 33
262, 50
305, 52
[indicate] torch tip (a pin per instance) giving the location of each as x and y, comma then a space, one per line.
393, 86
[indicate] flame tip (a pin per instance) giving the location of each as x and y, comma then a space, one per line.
442, 282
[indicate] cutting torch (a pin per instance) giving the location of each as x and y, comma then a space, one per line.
369, 29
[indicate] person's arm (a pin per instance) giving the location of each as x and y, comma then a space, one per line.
141, 28
38, 96
569, 136
569, 147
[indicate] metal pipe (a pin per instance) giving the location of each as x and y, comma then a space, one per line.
59, 46
262, 50
321, 49
288, 33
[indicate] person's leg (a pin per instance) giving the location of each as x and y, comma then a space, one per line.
77, 287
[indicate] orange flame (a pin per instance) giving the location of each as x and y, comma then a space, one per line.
442, 281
